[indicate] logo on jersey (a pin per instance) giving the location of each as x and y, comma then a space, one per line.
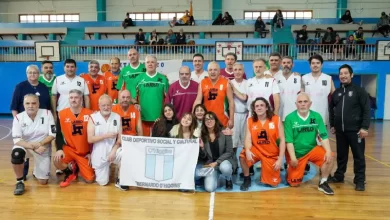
324, 82
262, 138
78, 83
86, 117
350, 93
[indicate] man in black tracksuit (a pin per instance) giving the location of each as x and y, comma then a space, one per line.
349, 116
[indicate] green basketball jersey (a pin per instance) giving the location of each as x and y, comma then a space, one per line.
303, 133
151, 93
128, 74
49, 84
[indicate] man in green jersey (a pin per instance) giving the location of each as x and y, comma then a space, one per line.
302, 127
131, 71
47, 77
149, 89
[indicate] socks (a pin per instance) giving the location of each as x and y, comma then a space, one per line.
323, 180
20, 179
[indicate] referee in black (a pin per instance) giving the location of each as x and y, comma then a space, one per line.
349, 115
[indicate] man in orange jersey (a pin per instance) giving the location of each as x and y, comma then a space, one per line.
130, 116
111, 78
75, 149
214, 90
263, 132
96, 84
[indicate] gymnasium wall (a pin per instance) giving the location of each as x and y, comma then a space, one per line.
116, 9
13, 73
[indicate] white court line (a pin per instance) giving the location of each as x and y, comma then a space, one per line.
211, 208
7, 134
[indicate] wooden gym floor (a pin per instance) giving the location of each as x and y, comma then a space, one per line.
82, 201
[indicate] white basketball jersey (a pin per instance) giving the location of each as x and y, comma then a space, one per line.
264, 87
24, 128
289, 89
112, 125
239, 105
319, 91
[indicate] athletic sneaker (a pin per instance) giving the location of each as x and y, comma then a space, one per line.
360, 187
325, 188
25, 169
246, 184
123, 188
229, 185
19, 188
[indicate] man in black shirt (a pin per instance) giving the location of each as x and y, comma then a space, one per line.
349, 115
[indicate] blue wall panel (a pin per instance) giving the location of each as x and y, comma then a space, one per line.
14, 72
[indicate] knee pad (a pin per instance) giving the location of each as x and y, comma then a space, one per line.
18, 155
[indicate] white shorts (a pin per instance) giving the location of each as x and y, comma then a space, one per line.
101, 165
239, 129
41, 162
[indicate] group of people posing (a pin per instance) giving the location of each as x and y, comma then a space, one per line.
276, 114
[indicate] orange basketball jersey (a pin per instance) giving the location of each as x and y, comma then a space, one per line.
214, 97
264, 137
97, 88
111, 82
129, 119
74, 129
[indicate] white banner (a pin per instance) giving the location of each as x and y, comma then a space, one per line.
158, 163
170, 68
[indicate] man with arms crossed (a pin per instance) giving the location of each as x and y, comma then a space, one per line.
318, 86
149, 89
182, 93
301, 128
73, 147
32, 130
104, 132
214, 90
263, 132
130, 116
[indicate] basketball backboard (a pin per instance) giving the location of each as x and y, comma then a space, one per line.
47, 50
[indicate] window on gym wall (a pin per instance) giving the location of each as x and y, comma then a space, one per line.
253, 15
49, 18
163, 16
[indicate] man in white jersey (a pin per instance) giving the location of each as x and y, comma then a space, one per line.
32, 130
199, 73
319, 86
240, 109
104, 132
63, 84
262, 85
275, 59
289, 86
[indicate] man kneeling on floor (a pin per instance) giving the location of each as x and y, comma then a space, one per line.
263, 132
104, 132
32, 132
302, 127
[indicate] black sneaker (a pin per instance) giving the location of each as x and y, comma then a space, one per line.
123, 188
251, 172
25, 169
229, 185
246, 184
360, 187
19, 189
333, 179
325, 188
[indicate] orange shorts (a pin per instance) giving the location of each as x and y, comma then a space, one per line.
147, 128
295, 175
86, 171
268, 174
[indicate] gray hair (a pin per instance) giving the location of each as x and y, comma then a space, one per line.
32, 66
78, 92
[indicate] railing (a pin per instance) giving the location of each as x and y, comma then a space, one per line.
185, 52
